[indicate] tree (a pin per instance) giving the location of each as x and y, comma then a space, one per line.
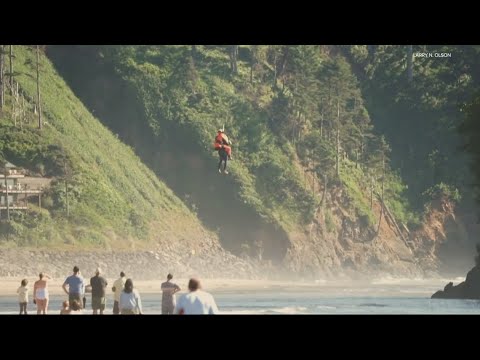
278, 56
2, 77
470, 131
382, 152
371, 53
11, 69
257, 58
410, 62
40, 125
66, 171
233, 53
337, 142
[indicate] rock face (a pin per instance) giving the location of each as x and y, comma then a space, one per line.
468, 289
339, 243
444, 242
145, 265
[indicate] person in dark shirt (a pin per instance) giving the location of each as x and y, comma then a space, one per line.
98, 284
168, 297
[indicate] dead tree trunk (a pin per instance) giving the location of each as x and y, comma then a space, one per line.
275, 70
383, 192
66, 187
313, 178
2, 78
40, 125
252, 62
233, 58
410, 62
371, 193
11, 70
394, 222
325, 180
337, 158
321, 125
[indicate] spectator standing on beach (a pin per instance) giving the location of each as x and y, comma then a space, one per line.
22, 292
130, 302
76, 286
196, 302
117, 288
98, 284
40, 293
168, 295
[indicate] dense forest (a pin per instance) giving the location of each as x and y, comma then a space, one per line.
373, 123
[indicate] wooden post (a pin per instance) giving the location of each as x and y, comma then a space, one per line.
40, 201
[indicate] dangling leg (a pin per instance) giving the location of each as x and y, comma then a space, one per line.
220, 165
228, 149
225, 159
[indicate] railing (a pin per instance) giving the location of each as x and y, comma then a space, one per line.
13, 172
14, 206
20, 186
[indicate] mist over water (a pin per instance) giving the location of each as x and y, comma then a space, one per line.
380, 296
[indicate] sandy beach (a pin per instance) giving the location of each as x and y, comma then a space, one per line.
9, 285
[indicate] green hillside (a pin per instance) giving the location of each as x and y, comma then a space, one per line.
291, 111
320, 135
420, 113
114, 199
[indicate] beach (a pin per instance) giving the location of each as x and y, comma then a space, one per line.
9, 285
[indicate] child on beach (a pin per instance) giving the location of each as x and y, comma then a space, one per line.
22, 292
65, 308
76, 308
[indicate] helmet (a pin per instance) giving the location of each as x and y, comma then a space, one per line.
220, 130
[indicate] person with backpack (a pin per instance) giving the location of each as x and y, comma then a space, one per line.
223, 145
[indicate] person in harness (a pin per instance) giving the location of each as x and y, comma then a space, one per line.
223, 146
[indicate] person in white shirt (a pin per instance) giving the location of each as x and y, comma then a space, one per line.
117, 288
130, 302
196, 302
22, 292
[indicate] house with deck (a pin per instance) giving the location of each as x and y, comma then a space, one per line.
16, 188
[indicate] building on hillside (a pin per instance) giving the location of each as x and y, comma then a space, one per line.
15, 190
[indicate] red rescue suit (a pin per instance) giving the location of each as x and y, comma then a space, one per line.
221, 140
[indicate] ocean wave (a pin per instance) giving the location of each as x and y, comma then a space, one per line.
279, 310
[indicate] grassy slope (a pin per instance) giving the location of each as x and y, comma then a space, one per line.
265, 177
113, 196
179, 104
